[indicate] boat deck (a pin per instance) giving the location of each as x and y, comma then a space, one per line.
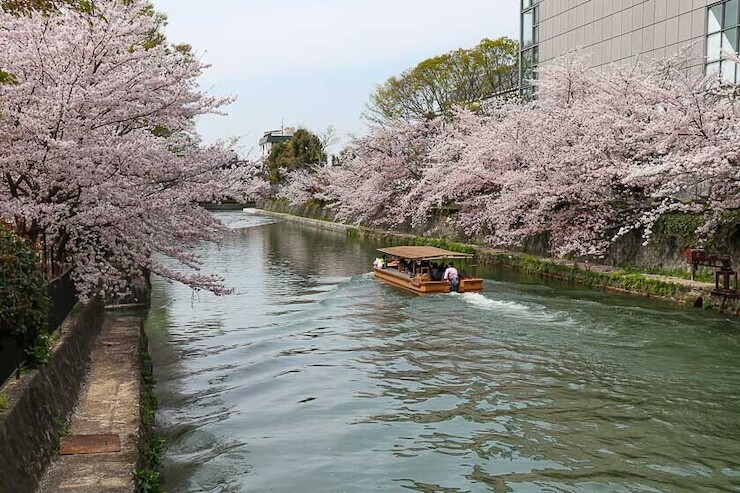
422, 286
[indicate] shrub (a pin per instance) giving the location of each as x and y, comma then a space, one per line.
23, 298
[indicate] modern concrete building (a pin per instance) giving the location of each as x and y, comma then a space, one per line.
272, 137
619, 31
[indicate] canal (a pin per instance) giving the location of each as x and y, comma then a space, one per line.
314, 377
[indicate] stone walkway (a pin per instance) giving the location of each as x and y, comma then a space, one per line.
108, 405
606, 269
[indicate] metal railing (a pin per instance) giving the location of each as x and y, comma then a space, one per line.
62, 299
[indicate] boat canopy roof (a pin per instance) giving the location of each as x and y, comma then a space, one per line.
423, 253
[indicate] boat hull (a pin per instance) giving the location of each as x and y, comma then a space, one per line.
426, 287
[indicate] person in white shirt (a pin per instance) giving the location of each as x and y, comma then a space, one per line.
379, 263
451, 275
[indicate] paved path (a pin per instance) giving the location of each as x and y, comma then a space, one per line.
108, 404
606, 269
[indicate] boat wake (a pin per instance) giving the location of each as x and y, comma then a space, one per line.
532, 312
479, 301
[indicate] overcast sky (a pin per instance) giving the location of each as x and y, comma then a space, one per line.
313, 63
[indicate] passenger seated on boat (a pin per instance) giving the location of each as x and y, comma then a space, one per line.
436, 272
379, 263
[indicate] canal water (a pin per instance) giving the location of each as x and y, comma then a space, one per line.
314, 377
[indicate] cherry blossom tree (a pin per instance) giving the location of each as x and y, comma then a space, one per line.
303, 185
372, 185
689, 160
596, 155
99, 151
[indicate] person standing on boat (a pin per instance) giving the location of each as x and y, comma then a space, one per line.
452, 276
379, 263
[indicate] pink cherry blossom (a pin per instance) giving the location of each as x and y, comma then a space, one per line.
594, 156
99, 149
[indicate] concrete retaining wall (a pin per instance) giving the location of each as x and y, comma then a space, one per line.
41, 402
663, 252
679, 291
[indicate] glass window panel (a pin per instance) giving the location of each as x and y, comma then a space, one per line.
527, 58
536, 34
714, 19
527, 28
526, 4
536, 12
535, 55
728, 71
714, 47
729, 40
730, 19
713, 68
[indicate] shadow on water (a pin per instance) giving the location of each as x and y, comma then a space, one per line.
316, 377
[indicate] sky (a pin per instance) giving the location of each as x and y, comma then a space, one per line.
314, 63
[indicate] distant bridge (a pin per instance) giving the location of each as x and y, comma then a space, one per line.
228, 206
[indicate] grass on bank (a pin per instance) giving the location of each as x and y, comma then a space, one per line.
148, 474
628, 279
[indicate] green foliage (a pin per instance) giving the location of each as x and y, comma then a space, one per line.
86, 7
629, 280
680, 231
632, 282
8, 78
148, 481
710, 305
463, 77
153, 452
61, 428
25, 7
148, 477
40, 350
23, 299
704, 275
4, 404
444, 244
278, 162
304, 151
679, 227
149, 402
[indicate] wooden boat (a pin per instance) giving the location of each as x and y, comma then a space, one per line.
410, 268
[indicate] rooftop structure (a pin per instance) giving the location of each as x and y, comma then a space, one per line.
272, 137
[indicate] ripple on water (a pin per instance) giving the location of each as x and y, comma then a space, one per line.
317, 378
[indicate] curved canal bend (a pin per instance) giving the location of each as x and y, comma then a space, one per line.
314, 377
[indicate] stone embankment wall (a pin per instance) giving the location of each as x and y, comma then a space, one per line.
40, 403
670, 238
599, 276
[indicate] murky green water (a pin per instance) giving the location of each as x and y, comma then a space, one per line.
314, 377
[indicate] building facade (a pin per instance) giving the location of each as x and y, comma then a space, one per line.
623, 31
272, 137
